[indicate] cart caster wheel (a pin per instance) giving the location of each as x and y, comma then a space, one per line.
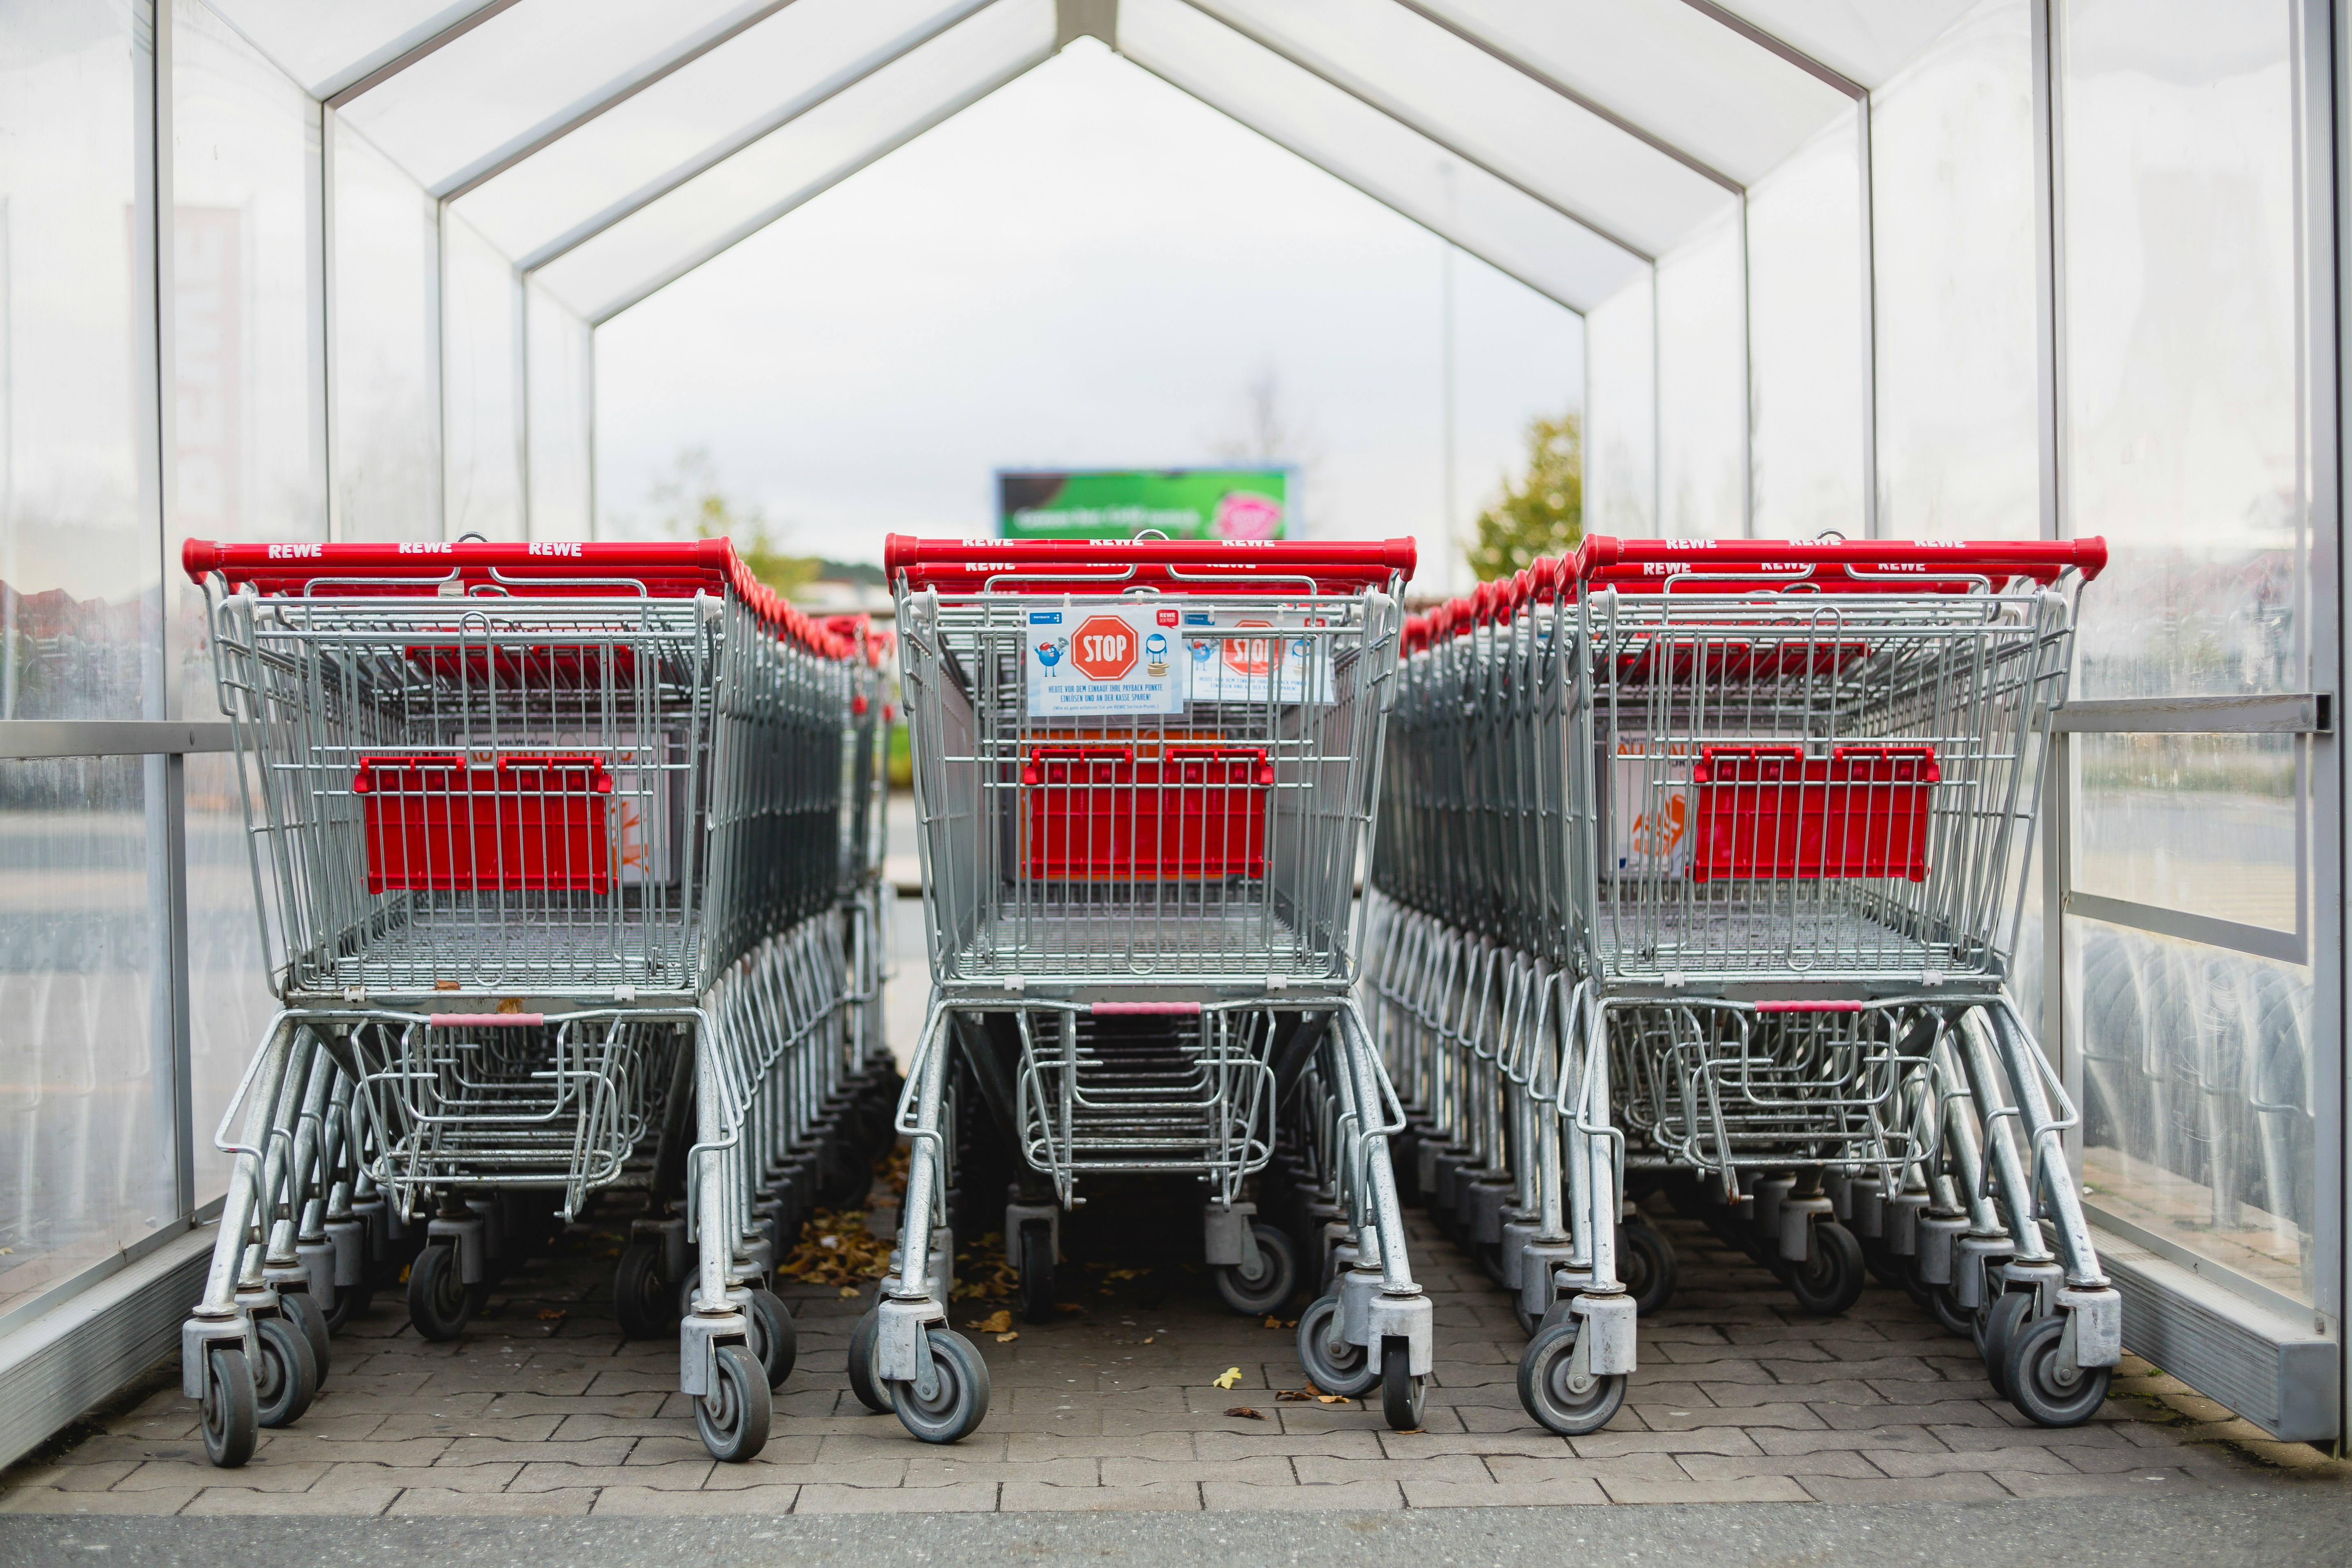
732, 1418
1997, 1328
1830, 1278
1548, 1389
1347, 1369
1944, 1307
1645, 1265
1275, 1279
439, 1303
286, 1380
1036, 1272
1886, 1267
958, 1403
1401, 1393
1528, 1321
303, 1309
232, 1410
863, 1382
2039, 1389
352, 1303
642, 1300
775, 1343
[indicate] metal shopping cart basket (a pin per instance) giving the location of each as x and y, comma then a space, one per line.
538, 832
1145, 771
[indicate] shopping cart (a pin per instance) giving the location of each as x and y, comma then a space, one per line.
1144, 771
551, 854
1787, 853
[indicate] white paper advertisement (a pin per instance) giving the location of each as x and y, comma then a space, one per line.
1242, 656
1121, 661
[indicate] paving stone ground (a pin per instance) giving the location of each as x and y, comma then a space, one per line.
543, 1409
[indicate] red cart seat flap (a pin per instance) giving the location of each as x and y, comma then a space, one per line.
1773, 811
1099, 813
524, 821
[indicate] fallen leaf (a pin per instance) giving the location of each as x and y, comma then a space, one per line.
551, 1314
1274, 1322
612, 1252
1331, 1399
1244, 1410
1104, 1292
1008, 1336
1123, 1274
847, 1291
1230, 1377
1067, 1307
1147, 1339
994, 1323
404, 1274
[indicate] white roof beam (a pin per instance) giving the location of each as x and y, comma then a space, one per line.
1786, 51
365, 75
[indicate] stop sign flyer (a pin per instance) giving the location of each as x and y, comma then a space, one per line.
1112, 660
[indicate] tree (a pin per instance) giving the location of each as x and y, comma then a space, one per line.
692, 506
1543, 513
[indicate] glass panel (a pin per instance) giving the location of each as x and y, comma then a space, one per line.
86, 1118
1703, 388
1677, 73
327, 47
563, 385
2182, 328
1865, 40
1621, 446
1505, 228
2202, 823
2198, 1092
384, 292
1536, 138
1807, 369
725, 100
1952, 218
519, 76
79, 558
776, 173
481, 386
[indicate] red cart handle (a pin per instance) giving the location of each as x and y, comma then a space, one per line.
1880, 565
665, 569
1171, 565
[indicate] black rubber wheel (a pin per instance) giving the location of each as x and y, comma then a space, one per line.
1887, 1265
1347, 1369
775, 1343
1998, 1327
439, 1303
303, 1309
232, 1411
642, 1300
732, 1419
1549, 1395
1528, 1321
2034, 1385
1646, 1266
958, 1403
288, 1379
1945, 1309
1036, 1271
1832, 1274
1274, 1282
1401, 1393
352, 1303
863, 1382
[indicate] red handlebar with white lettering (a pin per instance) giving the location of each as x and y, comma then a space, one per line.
1171, 565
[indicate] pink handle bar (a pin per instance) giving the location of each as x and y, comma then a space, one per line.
1144, 1009
674, 569
1199, 565
1809, 1006
486, 1020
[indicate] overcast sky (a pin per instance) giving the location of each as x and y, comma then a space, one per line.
1087, 268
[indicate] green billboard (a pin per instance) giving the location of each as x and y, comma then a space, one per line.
1121, 503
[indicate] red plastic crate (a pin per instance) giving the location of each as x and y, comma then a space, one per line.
1098, 814
523, 823
1772, 812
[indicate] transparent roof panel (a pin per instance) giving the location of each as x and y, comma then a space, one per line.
1489, 114
327, 48
697, 115
525, 73
1867, 40
1386, 159
679, 230
1680, 75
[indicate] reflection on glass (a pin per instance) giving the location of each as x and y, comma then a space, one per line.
2181, 332
1804, 338
2198, 1097
85, 1117
229, 1001
2200, 823
387, 355
481, 375
1621, 444
1952, 226
79, 562
1703, 388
